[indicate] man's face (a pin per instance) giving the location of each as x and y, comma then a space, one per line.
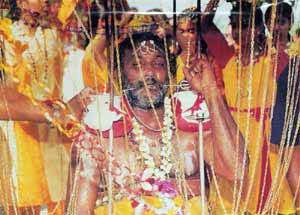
152, 72
281, 28
236, 31
245, 32
41, 7
188, 29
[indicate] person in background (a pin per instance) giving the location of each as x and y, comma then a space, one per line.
186, 34
33, 59
285, 132
94, 67
249, 86
281, 33
90, 188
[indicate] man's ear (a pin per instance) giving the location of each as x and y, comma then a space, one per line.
116, 77
22, 4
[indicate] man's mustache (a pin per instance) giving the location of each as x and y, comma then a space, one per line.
151, 81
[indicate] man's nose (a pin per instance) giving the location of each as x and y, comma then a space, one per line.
147, 69
186, 34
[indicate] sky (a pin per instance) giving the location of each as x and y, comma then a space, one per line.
221, 18
167, 5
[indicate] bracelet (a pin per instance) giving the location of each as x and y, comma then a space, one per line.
69, 124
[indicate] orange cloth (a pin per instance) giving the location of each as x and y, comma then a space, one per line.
66, 9
94, 75
32, 164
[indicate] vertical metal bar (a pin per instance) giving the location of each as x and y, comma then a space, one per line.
174, 41
198, 42
174, 20
201, 167
107, 33
112, 46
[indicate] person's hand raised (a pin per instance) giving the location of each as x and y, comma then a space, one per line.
200, 75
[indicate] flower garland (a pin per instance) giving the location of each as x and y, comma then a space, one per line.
151, 192
153, 179
167, 132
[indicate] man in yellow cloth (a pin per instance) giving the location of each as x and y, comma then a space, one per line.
249, 89
37, 158
133, 158
223, 54
94, 66
34, 111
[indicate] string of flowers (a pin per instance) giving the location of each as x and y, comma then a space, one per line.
153, 179
167, 132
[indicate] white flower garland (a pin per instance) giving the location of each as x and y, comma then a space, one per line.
150, 171
167, 132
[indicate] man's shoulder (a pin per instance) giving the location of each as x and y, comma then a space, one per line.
189, 107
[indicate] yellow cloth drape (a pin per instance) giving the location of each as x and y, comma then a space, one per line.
93, 74
32, 170
179, 71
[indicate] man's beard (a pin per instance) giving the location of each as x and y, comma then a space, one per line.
136, 99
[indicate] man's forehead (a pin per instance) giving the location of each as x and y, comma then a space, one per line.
130, 54
186, 23
148, 47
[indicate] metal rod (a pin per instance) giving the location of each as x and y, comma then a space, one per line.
111, 56
202, 169
198, 42
108, 20
174, 20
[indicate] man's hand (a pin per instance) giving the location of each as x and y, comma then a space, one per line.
78, 104
201, 75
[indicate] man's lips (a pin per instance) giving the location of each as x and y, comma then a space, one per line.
151, 87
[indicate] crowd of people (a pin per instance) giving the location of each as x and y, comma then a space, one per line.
105, 111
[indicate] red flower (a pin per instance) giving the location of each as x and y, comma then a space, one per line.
150, 180
134, 203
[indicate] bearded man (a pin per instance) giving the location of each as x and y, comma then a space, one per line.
151, 165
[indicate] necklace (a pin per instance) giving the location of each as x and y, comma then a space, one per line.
42, 51
188, 54
139, 120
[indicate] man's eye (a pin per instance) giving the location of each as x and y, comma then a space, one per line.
192, 31
160, 64
135, 64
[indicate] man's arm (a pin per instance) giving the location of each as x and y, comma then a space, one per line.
226, 148
99, 43
17, 107
227, 142
83, 184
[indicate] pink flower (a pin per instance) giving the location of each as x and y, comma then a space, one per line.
166, 187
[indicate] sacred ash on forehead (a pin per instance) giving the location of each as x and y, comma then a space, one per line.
148, 47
